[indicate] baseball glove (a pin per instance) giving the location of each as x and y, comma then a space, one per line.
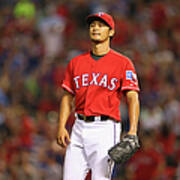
125, 149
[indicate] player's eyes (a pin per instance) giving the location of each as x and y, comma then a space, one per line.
99, 24
92, 25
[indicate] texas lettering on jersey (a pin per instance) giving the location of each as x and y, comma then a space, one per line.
97, 85
89, 79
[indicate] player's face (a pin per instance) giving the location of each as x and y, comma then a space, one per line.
99, 31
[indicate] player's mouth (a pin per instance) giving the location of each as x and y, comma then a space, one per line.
96, 34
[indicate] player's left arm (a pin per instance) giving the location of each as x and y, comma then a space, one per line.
133, 109
129, 144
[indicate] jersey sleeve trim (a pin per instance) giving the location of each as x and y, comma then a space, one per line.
130, 88
68, 89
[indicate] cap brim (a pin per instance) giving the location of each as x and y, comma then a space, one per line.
93, 18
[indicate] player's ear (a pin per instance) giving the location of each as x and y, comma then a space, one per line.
111, 32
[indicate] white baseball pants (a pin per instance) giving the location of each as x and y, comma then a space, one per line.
88, 149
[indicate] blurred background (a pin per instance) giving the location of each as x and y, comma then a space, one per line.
37, 40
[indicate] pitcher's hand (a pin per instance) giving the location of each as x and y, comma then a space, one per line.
63, 138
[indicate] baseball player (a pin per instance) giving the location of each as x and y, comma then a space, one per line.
96, 80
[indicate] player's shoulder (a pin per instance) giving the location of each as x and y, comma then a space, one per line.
120, 56
80, 56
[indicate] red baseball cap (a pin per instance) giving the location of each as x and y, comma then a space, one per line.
102, 16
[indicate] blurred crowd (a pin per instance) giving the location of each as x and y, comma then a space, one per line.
37, 40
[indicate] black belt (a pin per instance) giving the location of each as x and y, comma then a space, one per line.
92, 118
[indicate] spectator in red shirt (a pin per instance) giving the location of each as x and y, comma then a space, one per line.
166, 140
147, 163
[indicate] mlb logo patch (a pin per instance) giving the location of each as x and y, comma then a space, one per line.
129, 75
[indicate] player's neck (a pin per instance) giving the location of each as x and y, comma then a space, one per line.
100, 49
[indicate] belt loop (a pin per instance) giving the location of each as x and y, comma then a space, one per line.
84, 118
76, 115
97, 118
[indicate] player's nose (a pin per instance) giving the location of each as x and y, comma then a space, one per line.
96, 26
96, 30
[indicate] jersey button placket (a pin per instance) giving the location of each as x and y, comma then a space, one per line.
89, 89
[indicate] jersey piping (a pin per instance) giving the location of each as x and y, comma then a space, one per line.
98, 85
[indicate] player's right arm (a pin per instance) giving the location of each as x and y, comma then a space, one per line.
63, 137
